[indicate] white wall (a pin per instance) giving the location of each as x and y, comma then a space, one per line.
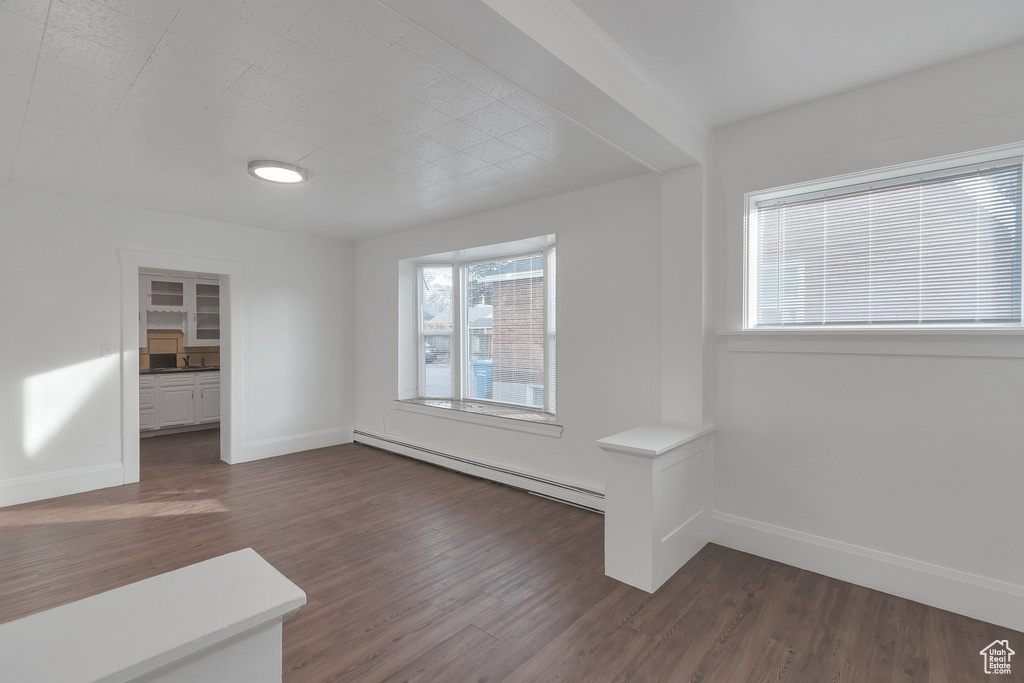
685, 350
60, 296
608, 326
918, 456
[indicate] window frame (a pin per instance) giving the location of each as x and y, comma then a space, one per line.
848, 183
459, 340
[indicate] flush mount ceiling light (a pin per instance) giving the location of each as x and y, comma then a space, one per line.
277, 172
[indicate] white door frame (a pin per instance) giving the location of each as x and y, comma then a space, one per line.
231, 355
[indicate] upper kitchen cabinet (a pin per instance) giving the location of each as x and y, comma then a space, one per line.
188, 304
165, 293
163, 305
204, 312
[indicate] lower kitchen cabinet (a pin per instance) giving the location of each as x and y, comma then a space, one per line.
208, 399
177, 406
178, 400
147, 403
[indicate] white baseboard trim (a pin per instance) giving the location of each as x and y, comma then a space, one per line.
979, 597
62, 483
293, 443
562, 491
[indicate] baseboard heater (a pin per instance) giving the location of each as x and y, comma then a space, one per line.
547, 488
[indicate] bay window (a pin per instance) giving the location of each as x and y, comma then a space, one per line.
487, 330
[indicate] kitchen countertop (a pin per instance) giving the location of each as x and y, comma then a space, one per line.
171, 371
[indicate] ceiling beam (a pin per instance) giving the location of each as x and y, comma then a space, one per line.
552, 50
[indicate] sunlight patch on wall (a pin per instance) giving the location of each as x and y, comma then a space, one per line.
52, 398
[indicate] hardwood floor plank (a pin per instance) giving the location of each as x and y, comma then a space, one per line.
434, 664
561, 657
619, 659
417, 573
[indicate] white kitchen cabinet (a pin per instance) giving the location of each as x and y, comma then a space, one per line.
208, 404
207, 397
175, 398
204, 312
191, 305
164, 304
147, 403
147, 420
177, 406
166, 293
178, 399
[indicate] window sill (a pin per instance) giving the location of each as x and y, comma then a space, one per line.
978, 343
502, 417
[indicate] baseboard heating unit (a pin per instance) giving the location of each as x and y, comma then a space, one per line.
548, 488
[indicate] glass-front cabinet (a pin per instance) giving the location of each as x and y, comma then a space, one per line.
204, 326
188, 304
165, 293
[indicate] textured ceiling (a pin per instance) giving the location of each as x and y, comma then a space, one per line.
160, 104
729, 60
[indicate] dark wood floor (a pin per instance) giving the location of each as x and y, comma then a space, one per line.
415, 573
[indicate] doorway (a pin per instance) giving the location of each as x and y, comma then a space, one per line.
180, 345
181, 361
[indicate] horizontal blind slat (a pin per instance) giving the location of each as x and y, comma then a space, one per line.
938, 249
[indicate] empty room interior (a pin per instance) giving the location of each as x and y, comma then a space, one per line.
511, 340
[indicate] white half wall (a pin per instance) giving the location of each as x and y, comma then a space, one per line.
215, 621
60, 294
608, 316
884, 470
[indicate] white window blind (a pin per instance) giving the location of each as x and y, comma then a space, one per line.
933, 249
504, 329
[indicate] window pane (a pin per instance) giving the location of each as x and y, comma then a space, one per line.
551, 336
504, 330
930, 250
436, 329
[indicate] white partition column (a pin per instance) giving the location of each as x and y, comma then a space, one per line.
217, 621
657, 501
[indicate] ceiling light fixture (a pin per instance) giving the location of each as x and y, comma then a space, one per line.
277, 172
